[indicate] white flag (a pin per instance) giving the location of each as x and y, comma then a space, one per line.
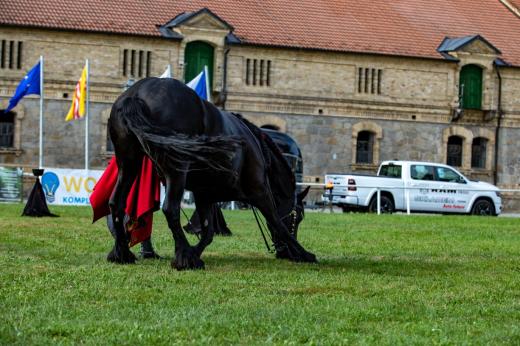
167, 73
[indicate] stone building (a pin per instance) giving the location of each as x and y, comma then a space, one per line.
353, 82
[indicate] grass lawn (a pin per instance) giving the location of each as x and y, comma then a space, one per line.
389, 279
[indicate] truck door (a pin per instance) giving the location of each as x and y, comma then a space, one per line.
452, 186
392, 170
422, 183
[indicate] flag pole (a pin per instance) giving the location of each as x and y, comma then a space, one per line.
208, 91
40, 159
87, 87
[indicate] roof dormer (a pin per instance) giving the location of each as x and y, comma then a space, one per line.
202, 24
453, 47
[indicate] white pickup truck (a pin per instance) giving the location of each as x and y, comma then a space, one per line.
427, 187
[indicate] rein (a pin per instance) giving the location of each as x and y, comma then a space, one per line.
262, 227
189, 223
263, 230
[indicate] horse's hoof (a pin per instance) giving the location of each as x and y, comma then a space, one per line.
309, 258
193, 264
283, 254
187, 259
296, 256
121, 257
151, 255
304, 257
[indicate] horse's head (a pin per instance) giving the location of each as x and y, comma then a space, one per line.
295, 212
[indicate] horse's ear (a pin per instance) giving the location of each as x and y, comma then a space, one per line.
303, 194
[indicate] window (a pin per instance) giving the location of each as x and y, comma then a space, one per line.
148, 63
19, 56
248, 71
136, 63
132, 63
268, 74
365, 144
11, 54
379, 75
125, 61
141, 58
478, 152
390, 171
258, 72
110, 145
470, 87
7, 129
422, 172
448, 175
365, 147
261, 72
454, 155
369, 80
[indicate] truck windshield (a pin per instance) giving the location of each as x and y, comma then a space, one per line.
391, 171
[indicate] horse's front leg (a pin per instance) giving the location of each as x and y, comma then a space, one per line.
127, 172
185, 256
286, 245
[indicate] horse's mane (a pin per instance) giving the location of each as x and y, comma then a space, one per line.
276, 162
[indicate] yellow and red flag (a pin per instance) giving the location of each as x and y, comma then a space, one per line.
77, 109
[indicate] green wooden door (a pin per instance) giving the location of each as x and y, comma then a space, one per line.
197, 55
471, 87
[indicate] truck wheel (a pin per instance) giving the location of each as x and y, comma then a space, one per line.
483, 207
387, 206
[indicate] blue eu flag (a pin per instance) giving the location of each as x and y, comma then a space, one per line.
30, 84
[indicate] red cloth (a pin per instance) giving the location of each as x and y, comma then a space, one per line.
142, 201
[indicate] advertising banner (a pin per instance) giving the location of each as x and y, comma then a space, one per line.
69, 186
10, 184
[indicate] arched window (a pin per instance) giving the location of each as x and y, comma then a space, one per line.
470, 87
270, 127
365, 147
197, 55
478, 152
7, 129
454, 155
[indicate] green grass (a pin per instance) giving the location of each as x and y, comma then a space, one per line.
390, 279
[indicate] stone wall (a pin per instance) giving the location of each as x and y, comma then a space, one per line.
314, 96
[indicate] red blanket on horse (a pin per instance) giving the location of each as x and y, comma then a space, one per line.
142, 201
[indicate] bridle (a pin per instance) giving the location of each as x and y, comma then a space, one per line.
293, 215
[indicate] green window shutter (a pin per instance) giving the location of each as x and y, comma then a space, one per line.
470, 85
197, 55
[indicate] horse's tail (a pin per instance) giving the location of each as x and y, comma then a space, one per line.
173, 149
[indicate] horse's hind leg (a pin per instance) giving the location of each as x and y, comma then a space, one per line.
185, 256
127, 172
284, 242
207, 227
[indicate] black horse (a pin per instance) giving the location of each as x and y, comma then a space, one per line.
219, 156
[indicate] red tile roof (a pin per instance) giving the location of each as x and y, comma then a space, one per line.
395, 27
